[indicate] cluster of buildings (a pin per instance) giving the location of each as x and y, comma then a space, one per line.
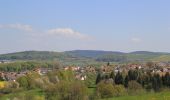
12, 76
160, 68
81, 72
5, 61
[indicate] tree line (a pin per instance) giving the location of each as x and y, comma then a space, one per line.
134, 81
24, 66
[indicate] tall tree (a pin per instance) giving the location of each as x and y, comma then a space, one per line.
156, 82
133, 75
99, 78
112, 75
126, 81
166, 79
119, 78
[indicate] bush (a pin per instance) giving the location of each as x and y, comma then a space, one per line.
119, 90
66, 91
134, 88
23, 82
105, 90
12, 84
78, 91
108, 90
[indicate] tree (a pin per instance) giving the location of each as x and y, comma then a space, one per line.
133, 75
108, 64
134, 88
112, 75
119, 78
23, 82
78, 91
53, 77
13, 84
108, 90
166, 79
141, 81
66, 91
126, 81
156, 82
106, 77
104, 90
119, 90
99, 78
58, 91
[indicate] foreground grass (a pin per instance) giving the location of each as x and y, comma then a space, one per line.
32, 94
39, 95
148, 96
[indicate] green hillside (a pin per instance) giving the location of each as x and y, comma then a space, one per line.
162, 58
34, 55
87, 56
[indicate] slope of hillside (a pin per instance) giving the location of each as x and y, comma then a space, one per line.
91, 53
162, 58
87, 55
112, 58
32, 55
141, 57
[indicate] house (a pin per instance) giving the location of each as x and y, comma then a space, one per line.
5, 61
90, 69
81, 77
10, 76
2, 75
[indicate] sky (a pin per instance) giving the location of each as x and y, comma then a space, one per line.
62, 25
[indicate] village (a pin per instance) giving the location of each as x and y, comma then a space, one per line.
80, 72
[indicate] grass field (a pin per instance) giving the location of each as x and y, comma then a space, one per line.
32, 94
148, 96
38, 95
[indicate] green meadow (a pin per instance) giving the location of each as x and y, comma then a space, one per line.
147, 96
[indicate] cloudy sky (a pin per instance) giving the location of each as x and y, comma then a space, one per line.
61, 25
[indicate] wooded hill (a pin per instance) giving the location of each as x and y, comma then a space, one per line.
96, 55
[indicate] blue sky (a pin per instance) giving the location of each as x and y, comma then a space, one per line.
60, 25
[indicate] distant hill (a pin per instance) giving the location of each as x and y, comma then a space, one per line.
91, 53
33, 55
88, 55
142, 52
148, 52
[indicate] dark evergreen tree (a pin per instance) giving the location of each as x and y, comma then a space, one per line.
119, 78
166, 80
99, 78
108, 64
106, 77
156, 82
112, 75
126, 81
139, 80
133, 75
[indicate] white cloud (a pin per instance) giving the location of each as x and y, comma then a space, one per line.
17, 27
58, 32
67, 32
136, 40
